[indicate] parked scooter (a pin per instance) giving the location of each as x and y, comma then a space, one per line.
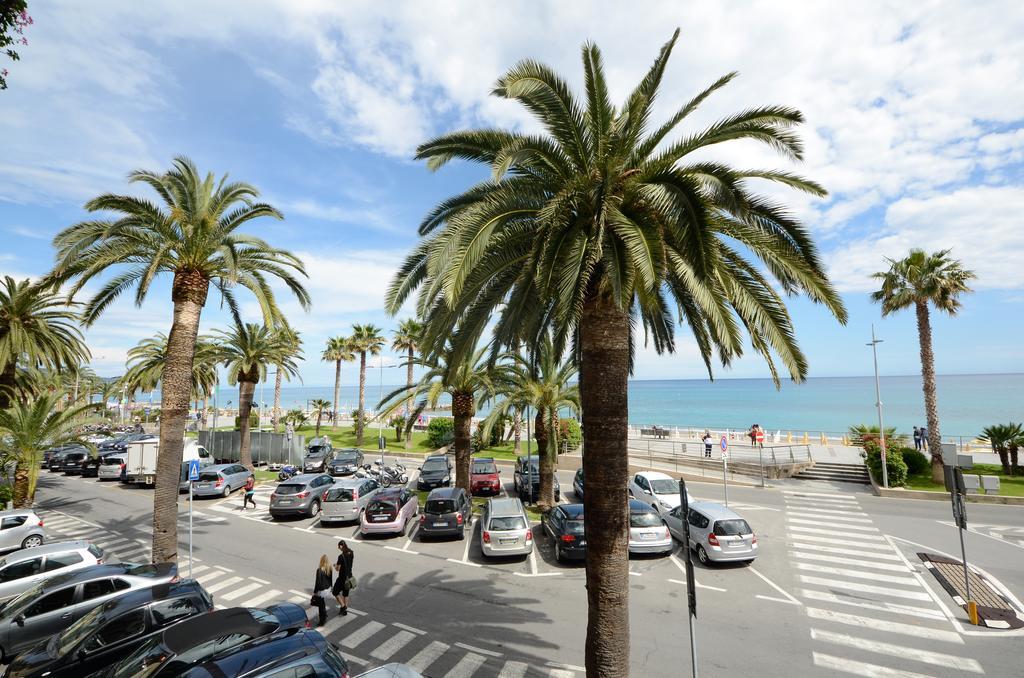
287, 472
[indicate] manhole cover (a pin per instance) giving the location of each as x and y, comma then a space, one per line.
994, 610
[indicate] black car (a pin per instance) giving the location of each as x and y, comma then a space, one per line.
528, 469
50, 454
345, 462
447, 512
56, 462
435, 472
91, 464
121, 442
295, 652
72, 463
111, 631
564, 524
319, 454
174, 651
577, 483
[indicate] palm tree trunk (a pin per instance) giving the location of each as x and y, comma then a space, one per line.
337, 392
362, 399
931, 408
462, 413
1014, 449
604, 373
319, 416
1004, 458
517, 430
189, 295
278, 379
202, 413
20, 493
546, 494
246, 389
408, 402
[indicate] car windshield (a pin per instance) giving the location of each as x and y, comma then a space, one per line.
499, 523
436, 506
347, 457
574, 527
644, 519
731, 528
316, 451
289, 489
485, 467
435, 465
75, 633
534, 466
339, 494
664, 486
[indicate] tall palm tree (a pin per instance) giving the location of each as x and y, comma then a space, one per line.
339, 350
38, 329
247, 350
29, 427
146, 362
407, 338
320, 406
366, 339
595, 224
918, 280
191, 233
291, 344
542, 381
1003, 438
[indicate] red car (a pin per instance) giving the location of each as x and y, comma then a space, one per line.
484, 478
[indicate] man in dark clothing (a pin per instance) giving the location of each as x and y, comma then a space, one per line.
341, 584
917, 439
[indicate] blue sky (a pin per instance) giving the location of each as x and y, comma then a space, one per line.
915, 125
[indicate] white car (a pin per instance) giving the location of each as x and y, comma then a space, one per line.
659, 490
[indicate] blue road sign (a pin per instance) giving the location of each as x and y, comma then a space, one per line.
725, 444
193, 469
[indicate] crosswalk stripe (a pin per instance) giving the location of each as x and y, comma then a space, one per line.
222, 584
819, 515
864, 588
850, 561
901, 651
832, 524
513, 670
199, 568
466, 666
428, 655
238, 593
830, 511
827, 661
207, 576
57, 522
818, 506
112, 543
804, 499
895, 608
392, 645
259, 600
798, 493
839, 533
561, 673
858, 574
884, 626
356, 637
844, 551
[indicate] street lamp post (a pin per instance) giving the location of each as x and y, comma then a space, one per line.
878, 404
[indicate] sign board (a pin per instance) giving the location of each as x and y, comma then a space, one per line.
193, 469
759, 435
949, 454
382, 443
725, 444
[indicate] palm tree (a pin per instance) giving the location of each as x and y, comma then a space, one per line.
247, 350
38, 329
295, 417
320, 406
338, 350
1003, 438
146, 362
407, 338
365, 339
594, 224
543, 382
291, 345
192, 233
29, 427
917, 280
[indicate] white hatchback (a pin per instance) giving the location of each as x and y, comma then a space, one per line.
658, 490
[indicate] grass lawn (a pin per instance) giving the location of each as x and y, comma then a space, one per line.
344, 436
1010, 486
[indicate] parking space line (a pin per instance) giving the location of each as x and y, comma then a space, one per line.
469, 540
533, 561
412, 535
699, 585
777, 600
789, 598
312, 525
463, 562
635, 574
682, 568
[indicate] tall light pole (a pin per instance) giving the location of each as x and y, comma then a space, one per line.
878, 404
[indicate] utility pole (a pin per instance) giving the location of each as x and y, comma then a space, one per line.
878, 404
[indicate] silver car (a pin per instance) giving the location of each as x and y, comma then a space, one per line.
300, 495
717, 533
20, 529
346, 499
505, 528
220, 480
21, 570
648, 532
111, 466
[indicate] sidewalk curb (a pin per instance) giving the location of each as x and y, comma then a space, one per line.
925, 495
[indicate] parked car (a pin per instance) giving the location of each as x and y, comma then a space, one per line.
577, 483
658, 490
174, 651
484, 477
717, 533
20, 529
56, 462
91, 464
392, 670
120, 443
564, 524
345, 462
436, 471
505, 528
50, 454
111, 631
220, 480
21, 570
56, 603
389, 512
346, 499
300, 495
447, 512
648, 532
72, 462
318, 455
527, 470
111, 466
284, 654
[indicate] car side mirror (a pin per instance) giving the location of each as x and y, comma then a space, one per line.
82, 655
647, 491
20, 620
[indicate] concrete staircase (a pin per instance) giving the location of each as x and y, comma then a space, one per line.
843, 473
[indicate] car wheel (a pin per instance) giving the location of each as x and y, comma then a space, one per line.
314, 508
226, 492
558, 552
702, 556
32, 541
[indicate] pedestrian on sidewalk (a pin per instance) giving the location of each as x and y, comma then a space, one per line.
345, 582
924, 438
321, 588
707, 444
249, 492
917, 439
752, 433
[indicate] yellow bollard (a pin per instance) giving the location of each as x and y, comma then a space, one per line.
824, 440
789, 436
806, 438
972, 611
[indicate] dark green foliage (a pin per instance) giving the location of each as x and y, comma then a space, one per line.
915, 461
254, 420
440, 431
862, 432
6, 494
495, 439
894, 463
358, 419
570, 435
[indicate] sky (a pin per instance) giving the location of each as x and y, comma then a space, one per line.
915, 125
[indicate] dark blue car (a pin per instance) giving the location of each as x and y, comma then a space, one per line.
296, 652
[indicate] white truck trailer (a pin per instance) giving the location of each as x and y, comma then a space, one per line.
140, 467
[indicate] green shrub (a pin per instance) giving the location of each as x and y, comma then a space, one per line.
6, 494
358, 416
254, 420
915, 461
571, 435
440, 431
895, 465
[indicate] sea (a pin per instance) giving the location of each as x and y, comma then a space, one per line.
967, 403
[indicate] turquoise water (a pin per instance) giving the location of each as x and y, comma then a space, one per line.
966, 402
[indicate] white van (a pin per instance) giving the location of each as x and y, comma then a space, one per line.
140, 468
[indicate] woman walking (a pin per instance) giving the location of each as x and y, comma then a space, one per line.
250, 492
321, 587
345, 581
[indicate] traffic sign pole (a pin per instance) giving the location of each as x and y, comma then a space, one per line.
725, 465
691, 584
193, 475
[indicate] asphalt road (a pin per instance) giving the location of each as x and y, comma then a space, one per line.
837, 588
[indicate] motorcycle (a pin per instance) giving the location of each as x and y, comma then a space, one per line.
287, 472
394, 474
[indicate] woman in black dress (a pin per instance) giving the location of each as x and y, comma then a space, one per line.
343, 584
321, 587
